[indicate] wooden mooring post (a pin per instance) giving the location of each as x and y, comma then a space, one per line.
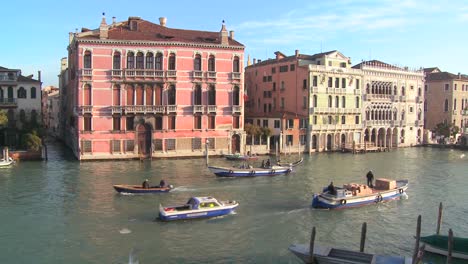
418, 237
363, 236
311, 246
450, 246
439, 218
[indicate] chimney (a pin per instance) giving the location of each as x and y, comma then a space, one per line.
231, 34
254, 61
224, 35
113, 20
162, 21
103, 28
459, 75
297, 53
39, 75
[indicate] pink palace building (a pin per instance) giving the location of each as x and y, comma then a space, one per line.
140, 90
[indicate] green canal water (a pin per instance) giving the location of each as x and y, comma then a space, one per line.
64, 211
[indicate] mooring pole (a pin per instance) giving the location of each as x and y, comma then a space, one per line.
363, 236
206, 151
450, 246
439, 218
311, 246
418, 237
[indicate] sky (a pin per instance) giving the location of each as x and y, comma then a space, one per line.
412, 33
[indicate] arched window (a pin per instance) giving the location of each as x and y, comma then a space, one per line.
419, 91
22, 116
1, 93
149, 61
211, 63
140, 60
33, 116
315, 100
337, 101
159, 61
21, 93
395, 90
357, 101
236, 64
446, 105
402, 91
455, 104
367, 89
87, 94
116, 94
87, 60
343, 102
130, 60
403, 115
236, 96
419, 114
116, 61
330, 101
211, 95
171, 95
172, 62
197, 63
10, 92
33, 92
197, 97
282, 85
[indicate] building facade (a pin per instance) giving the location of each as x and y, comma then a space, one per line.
20, 97
139, 89
446, 99
392, 104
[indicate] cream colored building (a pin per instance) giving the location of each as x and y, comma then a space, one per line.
392, 104
446, 99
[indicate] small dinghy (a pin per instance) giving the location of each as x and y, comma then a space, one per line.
138, 189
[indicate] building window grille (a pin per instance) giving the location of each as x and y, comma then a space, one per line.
170, 144
196, 144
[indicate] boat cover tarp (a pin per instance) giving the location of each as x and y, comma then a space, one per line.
459, 244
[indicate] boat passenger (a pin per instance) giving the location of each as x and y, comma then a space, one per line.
263, 163
145, 184
268, 163
370, 179
331, 189
162, 184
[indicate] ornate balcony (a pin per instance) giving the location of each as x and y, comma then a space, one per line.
336, 127
86, 72
84, 109
236, 109
198, 109
197, 74
171, 74
8, 103
211, 109
172, 109
464, 112
116, 109
144, 109
236, 76
211, 75
116, 73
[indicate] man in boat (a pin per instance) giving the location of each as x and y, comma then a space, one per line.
268, 163
370, 179
145, 184
263, 163
162, 184
331, 189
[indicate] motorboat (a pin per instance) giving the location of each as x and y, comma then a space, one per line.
197, 207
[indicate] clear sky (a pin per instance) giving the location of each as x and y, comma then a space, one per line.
412, 33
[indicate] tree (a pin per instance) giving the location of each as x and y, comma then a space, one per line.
446, 130
266, 132
252, 130
3, 118
31, 141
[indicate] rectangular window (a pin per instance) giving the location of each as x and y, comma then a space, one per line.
292, 67
171, 122
343, 83
269, 78
303, 123
304, 102
277, 124
115, 146
330, 82
264, 108
290, 124
356, 120
170, 144
273, 70
158, 144
329, 63
235, 122
337, 82
314, 81
158, 123
425, 87
283, 68
274, 86
86, 146
129, 145
358, 86
87, 123
343, 120
289, 140
304, 84
130, 124
446, 87
282, 102
330, 120
196, 144
116, 123
315, 120
455, 87
265, 123
211, 122
258, 122
211, 143
197, 122
264, 78
302, 139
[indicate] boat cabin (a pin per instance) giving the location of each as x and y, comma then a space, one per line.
203, 202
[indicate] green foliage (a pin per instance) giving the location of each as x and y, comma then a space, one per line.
266, 131
31, 141
3, 118
446, 130
252, 130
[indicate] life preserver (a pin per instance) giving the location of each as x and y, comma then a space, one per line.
231, 172
343, 202
400, 191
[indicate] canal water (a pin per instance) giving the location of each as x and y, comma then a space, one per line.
64, 211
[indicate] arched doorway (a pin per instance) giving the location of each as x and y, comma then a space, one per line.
314, 142
343, 140
144, 139
235, 144
329, 142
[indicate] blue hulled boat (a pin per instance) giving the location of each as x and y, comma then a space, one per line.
249, 172
354, 195
197, 207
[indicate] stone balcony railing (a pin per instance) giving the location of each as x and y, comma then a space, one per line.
198, 109
236, 109
464, 112
211, 75
116, 109
171, 74
86, 72
172, 109
117, 73
454, 112
236, 76
211, 109
337, 127
8, 102
84, 109
144, 109
334, 110
380, 97
197, 74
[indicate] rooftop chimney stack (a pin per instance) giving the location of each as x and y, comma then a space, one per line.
224, 35
459, 75
103, 28
231, 34
254, 61
113, 20
297, 53
162, 21
39, 75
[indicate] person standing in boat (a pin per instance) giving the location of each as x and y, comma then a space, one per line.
331, 189
145, 184
162, 184
370, 179
263, 163
268, 163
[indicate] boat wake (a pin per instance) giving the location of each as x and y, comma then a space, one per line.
132, 257
124, 231
183, 189
462, 156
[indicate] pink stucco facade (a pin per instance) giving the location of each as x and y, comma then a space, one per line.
141, 89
